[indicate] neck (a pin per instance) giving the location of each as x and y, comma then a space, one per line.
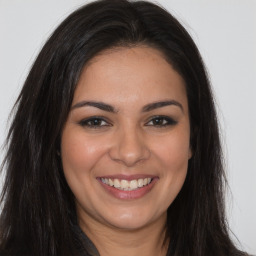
112, 241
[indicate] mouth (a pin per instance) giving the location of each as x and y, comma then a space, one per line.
128, 187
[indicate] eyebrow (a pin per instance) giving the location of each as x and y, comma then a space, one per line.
161, 104
100, 105
109, 108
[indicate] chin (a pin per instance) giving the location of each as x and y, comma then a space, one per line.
131, 220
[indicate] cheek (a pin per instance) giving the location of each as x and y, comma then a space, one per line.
79, 152
172, 154
79, 156
174, 151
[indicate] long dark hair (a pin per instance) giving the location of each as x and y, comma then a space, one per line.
39, 215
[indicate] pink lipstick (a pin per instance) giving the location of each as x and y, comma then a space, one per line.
128, 187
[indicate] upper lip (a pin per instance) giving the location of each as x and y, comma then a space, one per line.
128, 177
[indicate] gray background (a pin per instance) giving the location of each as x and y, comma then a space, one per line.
225, 32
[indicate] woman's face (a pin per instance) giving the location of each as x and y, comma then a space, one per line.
125, 145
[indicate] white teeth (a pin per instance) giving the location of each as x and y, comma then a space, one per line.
125, 184
117, 183
110, 182
140, 183
133, 184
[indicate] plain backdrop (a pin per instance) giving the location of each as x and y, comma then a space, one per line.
225, 32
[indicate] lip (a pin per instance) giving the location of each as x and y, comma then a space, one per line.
128, 195
128, 177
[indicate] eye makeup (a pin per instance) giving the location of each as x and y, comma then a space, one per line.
161, 121
97, 122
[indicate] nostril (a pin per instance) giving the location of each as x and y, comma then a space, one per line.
129, 146
129, 157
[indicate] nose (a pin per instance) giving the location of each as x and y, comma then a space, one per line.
129, 148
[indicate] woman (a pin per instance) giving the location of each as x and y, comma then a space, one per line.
114, 148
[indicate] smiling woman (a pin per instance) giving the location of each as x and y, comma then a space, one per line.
126, 159
114, 147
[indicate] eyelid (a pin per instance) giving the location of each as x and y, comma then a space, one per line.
84, 122
170, 121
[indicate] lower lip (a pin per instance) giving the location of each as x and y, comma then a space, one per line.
129, 195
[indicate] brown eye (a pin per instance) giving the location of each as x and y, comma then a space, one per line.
161, 121
94, 122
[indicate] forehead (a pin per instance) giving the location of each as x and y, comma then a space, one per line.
139, 73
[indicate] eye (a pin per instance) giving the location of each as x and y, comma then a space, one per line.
94, 122
161, 121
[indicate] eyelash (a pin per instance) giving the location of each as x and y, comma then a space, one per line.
98, 119
164, 121
96, 122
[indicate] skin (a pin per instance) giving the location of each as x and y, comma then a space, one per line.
128, 141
